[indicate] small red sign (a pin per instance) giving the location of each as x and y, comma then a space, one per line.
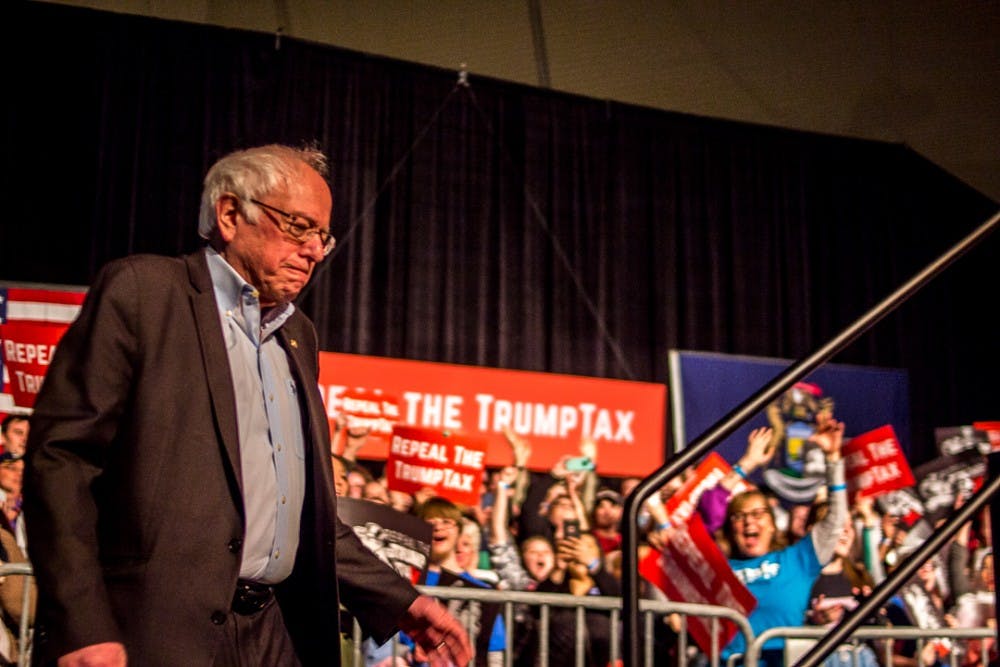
27, 352
693, 569
992, 431
369, 410
683, 503
450, 463
875, 463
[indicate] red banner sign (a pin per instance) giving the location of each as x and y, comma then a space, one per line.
27, 351
451, 464
30, 306
693, 569
875, 463
370, 410
553, 412
682, 504
992, 431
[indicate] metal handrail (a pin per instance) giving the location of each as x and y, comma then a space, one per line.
903, 573
755, 648
747, 410
581, 603
598, 603
24, 628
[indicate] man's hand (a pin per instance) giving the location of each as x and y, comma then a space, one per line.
829, 436
508, 476
437, 632
106, 654
865, 505
520, 447
759, 451
422, 495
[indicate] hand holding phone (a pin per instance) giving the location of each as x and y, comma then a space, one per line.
579, 464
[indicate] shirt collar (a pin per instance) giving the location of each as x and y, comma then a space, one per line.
234, 295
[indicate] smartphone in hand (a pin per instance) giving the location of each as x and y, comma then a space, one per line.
579, 464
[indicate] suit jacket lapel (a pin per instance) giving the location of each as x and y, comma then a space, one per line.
302, 359
302, 355
215, 360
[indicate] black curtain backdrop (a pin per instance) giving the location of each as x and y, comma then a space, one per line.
497, 224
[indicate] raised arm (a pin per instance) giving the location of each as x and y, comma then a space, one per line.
829, 436
759, 452
521, 449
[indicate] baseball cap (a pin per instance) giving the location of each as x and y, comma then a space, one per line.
608, 494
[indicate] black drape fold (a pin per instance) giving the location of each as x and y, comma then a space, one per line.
497, 224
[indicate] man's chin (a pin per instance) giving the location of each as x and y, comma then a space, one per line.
280, 297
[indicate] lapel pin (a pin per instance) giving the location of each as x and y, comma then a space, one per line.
294, 343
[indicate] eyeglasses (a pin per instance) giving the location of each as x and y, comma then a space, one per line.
756, 514
291, 225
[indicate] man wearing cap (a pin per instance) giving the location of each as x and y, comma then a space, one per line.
607, 516
201, 369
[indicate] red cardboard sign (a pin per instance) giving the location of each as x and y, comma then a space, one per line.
451, 464
553, 412
27, 352
31, 305
682, 505
875, 463
992, 430
370, 410
693, 569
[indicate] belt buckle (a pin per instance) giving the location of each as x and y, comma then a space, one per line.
250, 597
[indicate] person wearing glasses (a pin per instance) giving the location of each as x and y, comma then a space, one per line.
781, 577
486, 623
201, 368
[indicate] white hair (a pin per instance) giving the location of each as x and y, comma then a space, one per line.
253, 174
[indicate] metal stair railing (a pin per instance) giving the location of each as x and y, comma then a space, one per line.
747, 410
921, 635
904, 572
24, 629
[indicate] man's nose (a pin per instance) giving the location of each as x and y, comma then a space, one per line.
312, 248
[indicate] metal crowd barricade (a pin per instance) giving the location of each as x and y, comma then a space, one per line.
650, 610
24, 630
921, 635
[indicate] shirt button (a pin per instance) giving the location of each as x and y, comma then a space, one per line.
282, 500
234, 545
218, 617
279, 446
277, 553
270, 397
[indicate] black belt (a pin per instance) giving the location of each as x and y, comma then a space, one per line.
250, 597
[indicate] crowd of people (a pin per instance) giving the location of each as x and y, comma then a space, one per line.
13, 542
807, 561
201, 368
560, 532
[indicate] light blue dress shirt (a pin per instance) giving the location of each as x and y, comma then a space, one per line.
269, 419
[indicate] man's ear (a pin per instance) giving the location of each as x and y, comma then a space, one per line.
227, 209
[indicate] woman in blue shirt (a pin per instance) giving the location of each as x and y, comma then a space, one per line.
780, 577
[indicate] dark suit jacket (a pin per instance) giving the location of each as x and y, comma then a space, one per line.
132, 486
